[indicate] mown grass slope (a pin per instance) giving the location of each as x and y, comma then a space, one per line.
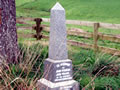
21, 2
89, 10
84, 60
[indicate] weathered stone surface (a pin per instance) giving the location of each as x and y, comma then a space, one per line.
58, 41
58, 68
58, 71
8, 35
44, 84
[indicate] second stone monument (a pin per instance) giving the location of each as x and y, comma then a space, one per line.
58, 68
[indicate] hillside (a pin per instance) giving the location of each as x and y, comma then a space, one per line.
21, 2
92, 10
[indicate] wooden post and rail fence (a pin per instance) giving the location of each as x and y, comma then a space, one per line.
77, 32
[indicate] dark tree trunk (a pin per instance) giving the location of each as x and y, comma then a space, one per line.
8, 35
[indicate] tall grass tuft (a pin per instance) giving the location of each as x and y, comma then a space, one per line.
24, 74
93, 73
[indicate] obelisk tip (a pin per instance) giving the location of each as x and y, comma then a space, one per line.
57, 6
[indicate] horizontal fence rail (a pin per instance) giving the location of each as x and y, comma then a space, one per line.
81, 23
79, 32
80, 44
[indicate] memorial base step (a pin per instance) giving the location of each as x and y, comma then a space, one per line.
44, 84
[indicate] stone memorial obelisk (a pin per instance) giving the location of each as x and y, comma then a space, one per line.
58, 68
8, 34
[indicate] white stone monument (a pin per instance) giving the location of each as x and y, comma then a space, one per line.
58, 68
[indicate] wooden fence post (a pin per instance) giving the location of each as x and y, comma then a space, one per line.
38, 28
96, 36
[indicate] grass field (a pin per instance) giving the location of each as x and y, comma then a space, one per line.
21, 2
89, 10
84, 60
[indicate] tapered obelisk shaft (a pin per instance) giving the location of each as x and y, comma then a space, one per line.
57, 67
58, 35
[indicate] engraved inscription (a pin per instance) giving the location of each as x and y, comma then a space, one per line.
66, 88
63, 72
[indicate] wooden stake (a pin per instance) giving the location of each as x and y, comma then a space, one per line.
96, 36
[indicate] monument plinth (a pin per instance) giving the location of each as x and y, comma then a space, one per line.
58, 68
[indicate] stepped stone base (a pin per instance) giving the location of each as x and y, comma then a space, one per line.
44, 84
57, 76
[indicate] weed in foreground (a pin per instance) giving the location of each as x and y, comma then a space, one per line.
24, 74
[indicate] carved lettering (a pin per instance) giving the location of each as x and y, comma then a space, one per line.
63, 72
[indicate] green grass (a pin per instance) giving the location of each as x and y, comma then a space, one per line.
26, 31
21, 2
29, 69
104, 43
85, 61
91, 29
89, 10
